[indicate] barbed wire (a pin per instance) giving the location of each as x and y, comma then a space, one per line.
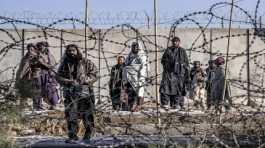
119, 36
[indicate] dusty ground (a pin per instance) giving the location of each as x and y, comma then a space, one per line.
239, 125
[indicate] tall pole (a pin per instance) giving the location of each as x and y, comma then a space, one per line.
227, 50
211, 44
263, 96
260, 22
61, 55
61, 44
86, 20
156, 59
23, 43
99, 66
248, 69
222, 22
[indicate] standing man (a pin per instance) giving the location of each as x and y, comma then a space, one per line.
175, 77
45, 77
77, 75
209, 79
135, 74
115, 84
25, 81
218, 86
24, 75
197, 92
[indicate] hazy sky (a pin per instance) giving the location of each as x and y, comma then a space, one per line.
115, 5
98, 9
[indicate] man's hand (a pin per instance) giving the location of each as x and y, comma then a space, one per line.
74, 82
69, 81
48, 66
188, 85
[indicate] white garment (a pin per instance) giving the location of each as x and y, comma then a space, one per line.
136, 69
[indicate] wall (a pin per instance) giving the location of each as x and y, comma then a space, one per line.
114, 42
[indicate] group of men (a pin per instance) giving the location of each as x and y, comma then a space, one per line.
38, 78
207, 87
129, 75
128, 79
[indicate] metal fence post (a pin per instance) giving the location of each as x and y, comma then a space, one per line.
248, 70
99, 66
222, 22
211, 44
61, 44
23, 43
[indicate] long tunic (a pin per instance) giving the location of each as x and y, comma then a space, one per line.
217, 86
46, 79
209, 80
175, 75
115, 84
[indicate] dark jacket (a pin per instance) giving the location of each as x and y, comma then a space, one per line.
209, 79
85, 73
115, 82
217, 85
